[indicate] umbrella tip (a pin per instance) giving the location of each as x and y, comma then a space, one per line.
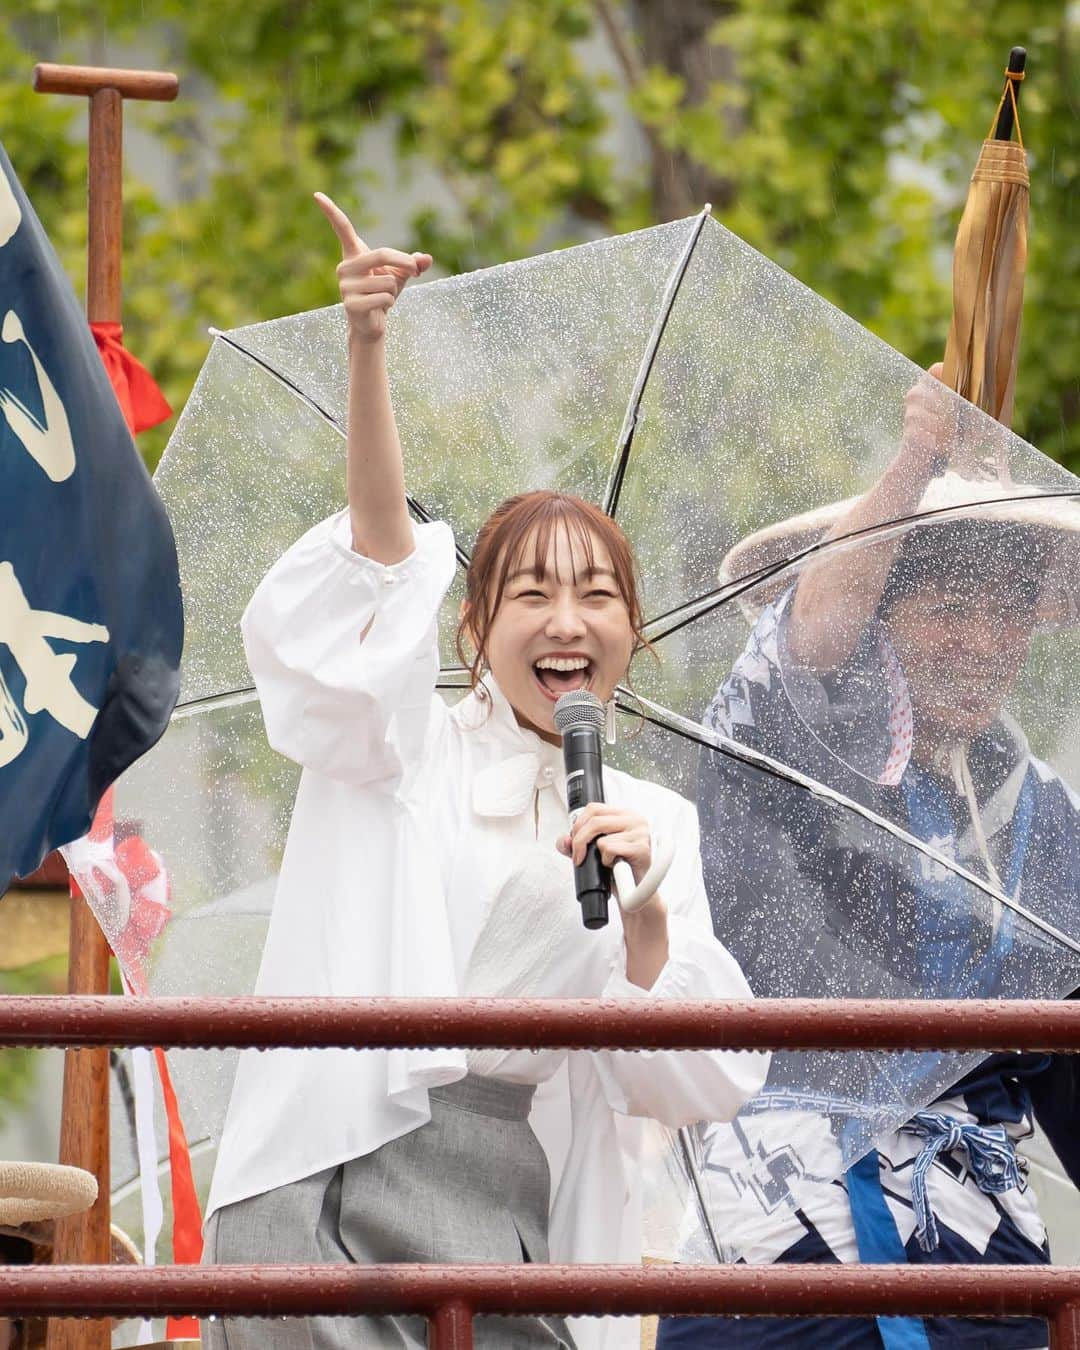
706, 210
214, 332
1007, 109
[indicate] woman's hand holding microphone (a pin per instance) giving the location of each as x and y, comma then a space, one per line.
624, 836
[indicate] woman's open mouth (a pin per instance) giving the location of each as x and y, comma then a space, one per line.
558, 675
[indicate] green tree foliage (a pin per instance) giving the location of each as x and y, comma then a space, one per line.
845, 133
836, 136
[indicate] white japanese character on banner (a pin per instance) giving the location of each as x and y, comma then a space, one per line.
47, 439
49, 686
14, 734
10, 212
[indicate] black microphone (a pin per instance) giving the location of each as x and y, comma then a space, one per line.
579, 715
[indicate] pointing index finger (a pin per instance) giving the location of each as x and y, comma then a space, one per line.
351, 243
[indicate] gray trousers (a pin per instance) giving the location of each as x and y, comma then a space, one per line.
472, 1185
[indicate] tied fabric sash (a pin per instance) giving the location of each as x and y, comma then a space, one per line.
991, 1157
141, 401
956, 971
993, 1166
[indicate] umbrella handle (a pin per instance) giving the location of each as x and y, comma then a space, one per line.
632, 896
1006, 115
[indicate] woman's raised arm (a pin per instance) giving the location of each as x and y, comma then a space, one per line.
370, 281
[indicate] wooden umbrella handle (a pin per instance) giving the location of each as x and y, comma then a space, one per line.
157, 85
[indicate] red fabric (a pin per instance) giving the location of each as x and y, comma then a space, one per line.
101, 828
187, 1217
146, 880
149, 913
141, 401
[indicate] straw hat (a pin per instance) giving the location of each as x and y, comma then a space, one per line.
30, 1192
34, 1195
947, 498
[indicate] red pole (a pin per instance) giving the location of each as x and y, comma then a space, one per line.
452, 1327
84, 1130
105, 206
575, 1024
1065, 1328
340, 1290
106, 89
84, 1124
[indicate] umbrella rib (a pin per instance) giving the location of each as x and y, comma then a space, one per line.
629, 426
450, 677
230, 698
694, 1173
757, 759
628, 701
420, 512
703, 605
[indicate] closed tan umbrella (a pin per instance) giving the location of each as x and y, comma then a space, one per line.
988, 264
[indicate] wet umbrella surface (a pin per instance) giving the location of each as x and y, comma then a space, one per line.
867, 707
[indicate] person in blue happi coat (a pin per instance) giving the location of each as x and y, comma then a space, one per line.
888, 672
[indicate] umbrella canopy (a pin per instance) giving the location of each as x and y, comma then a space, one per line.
988, 264
700, 394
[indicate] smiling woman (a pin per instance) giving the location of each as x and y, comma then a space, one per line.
429, 854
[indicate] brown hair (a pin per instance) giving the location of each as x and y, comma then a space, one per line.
533, 517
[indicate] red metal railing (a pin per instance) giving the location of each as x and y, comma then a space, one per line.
451, 1296
574, 1024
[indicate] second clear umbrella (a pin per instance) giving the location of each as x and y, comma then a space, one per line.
703, 397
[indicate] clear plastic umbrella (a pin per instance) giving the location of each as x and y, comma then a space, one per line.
703, 396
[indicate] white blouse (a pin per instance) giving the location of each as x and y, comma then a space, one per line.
420, 862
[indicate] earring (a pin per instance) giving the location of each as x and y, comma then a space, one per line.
609, 721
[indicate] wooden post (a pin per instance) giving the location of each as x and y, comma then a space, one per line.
105, 206
106, 89
84, 1126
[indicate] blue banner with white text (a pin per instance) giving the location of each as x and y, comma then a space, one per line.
91, 624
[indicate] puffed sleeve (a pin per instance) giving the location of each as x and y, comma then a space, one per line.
344, 651
681, 1087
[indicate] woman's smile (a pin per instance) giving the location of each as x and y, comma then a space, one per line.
558, 673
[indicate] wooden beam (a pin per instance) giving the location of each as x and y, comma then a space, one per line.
83, 1239
156, 85
84, 1126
